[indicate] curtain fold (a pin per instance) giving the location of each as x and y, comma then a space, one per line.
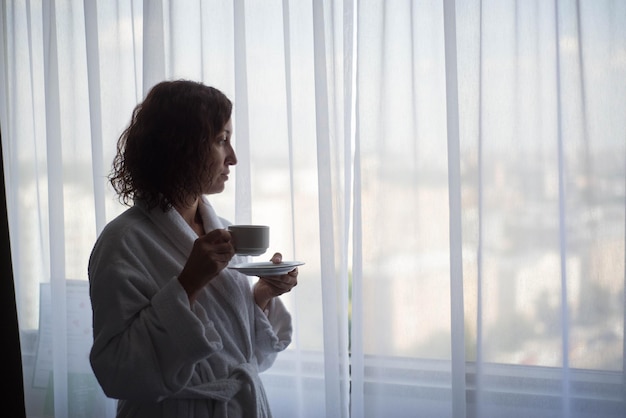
95, 111
241, 116
452, 173
562, 172
457, 315
56, 215
334, 285
154, 46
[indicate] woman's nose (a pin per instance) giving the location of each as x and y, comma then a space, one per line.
231, 159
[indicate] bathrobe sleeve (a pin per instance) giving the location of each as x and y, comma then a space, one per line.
273, 330
147, 339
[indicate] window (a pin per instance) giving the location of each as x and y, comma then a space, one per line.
459, 201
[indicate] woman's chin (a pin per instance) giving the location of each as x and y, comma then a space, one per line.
216, 188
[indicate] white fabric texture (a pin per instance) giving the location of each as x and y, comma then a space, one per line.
451, 172
151, 347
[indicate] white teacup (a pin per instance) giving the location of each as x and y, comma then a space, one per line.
250, 239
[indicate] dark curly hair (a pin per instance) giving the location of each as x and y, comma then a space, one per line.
164, 154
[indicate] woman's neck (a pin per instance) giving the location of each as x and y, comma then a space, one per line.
191, 215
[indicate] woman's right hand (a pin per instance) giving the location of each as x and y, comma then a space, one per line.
210, 254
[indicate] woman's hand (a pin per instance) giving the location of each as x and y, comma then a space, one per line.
210, 254
269, 287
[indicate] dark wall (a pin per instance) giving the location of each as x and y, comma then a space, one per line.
11, 371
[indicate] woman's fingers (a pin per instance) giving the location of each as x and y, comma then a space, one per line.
217, 236
283, 283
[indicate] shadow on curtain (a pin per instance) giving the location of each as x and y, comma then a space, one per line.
14, 395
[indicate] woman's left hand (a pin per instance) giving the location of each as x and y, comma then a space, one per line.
269, 287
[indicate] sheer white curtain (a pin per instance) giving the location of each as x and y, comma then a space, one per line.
453, 173
490, 172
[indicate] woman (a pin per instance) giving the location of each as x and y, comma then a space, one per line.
176, 334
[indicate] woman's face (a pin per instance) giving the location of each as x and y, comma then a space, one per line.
223, 156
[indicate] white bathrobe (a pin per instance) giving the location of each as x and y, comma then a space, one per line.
158, 355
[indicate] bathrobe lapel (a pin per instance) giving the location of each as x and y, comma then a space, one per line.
180, 233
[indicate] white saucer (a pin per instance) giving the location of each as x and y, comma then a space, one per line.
266, 268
